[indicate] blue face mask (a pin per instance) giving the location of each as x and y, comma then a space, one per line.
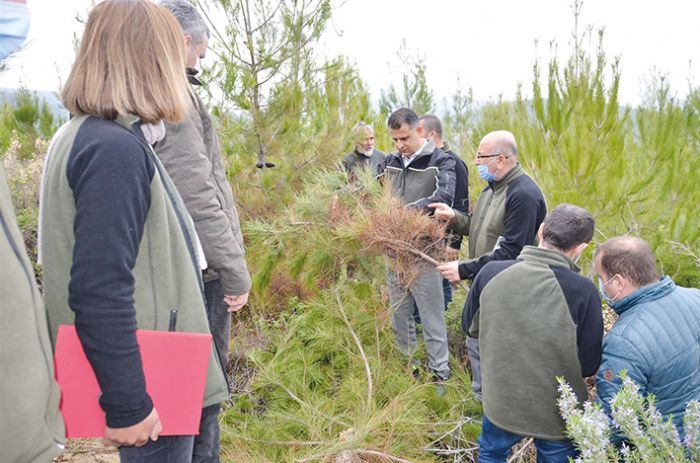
14, 25
601, 286
484, 173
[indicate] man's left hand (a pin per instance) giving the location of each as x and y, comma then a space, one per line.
450, 271
236, 303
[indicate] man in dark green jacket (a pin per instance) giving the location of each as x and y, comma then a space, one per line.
507, 215
536, 318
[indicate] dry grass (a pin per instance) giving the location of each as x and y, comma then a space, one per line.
87, 451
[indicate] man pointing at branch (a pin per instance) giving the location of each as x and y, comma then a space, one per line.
508, 213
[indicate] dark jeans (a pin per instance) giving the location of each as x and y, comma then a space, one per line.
206, 444
495, 445
219, 319
447, 292
167, 449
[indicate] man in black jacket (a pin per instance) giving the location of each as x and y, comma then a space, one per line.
506, 218
430, 127
419, 174
364, 156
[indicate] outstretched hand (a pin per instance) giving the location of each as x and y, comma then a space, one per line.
442, 211
450, 271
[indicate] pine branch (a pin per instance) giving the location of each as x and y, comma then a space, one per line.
368, 371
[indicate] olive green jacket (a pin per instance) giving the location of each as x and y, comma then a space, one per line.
31, 427
508, 213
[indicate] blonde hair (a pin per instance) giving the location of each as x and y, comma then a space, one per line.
131, 60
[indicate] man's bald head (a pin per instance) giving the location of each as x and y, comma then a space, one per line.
501, 142
498, 151
630, 257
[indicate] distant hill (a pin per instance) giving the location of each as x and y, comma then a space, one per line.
51, 98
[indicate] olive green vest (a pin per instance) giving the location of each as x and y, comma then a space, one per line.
166, 274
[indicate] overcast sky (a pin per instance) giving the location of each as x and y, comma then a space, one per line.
489, 45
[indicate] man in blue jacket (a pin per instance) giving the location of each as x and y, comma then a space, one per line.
657, 335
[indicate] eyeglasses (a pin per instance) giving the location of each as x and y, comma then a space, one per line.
484, 156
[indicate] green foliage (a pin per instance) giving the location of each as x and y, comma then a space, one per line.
458, 123
266, 49
320, 391
413, 92
23, 122
313, 241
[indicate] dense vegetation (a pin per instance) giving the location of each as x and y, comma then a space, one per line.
317, 377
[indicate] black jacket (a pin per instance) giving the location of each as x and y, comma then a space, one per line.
429, 178
461, 199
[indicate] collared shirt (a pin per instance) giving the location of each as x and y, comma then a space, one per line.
407, 160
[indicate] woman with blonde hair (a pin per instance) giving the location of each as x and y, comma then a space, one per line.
117, 246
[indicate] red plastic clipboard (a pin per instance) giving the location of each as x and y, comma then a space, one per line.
175, 366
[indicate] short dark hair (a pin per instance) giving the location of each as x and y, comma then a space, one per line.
403, 116
431, 123
567, 226
630, 257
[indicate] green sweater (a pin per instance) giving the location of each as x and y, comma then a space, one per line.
536, 318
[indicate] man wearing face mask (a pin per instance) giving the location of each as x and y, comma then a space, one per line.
536, 318
191, 154
31, 426
507, 215
655, 339
364, 156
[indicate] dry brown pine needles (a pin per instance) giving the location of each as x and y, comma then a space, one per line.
408, 236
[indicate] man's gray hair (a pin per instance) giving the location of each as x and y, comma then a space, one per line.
630, 257
567, 226
362, 127
190, 19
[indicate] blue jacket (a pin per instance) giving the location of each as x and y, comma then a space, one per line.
657, 340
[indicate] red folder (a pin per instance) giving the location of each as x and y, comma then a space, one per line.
175, 365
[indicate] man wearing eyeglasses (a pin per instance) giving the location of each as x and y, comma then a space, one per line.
508, 213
